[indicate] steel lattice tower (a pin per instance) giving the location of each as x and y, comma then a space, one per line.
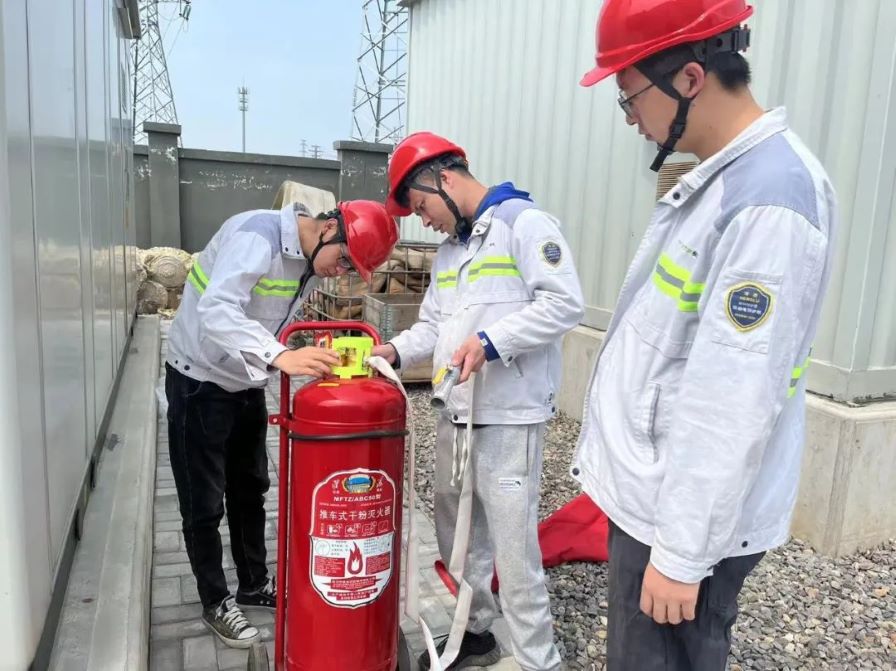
153, 97
379, 101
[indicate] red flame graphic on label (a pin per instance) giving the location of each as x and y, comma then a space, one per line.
354, 560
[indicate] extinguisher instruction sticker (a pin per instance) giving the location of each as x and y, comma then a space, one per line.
352, 536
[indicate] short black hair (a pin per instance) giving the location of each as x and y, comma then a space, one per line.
453, 162
731, 68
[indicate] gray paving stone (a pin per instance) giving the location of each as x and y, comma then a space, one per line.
200, 654
168, 614
177, 630
168, 541
165, 655
165, 592
169, 525
171, 570
161, 558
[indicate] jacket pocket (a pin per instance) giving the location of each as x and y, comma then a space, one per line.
645, 422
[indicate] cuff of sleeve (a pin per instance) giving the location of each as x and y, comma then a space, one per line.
501, 343
266, 354
397, 365
490, 352
676, 567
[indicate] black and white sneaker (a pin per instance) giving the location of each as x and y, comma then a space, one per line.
476, 650
228, 623
263, 598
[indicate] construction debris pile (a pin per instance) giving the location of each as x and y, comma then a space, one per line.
162, 273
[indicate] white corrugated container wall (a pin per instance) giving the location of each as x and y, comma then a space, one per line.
500, 77
68, 244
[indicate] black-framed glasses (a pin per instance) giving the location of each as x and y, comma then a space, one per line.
626, 103
345, 260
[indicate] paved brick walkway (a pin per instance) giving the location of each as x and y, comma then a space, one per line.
179, 640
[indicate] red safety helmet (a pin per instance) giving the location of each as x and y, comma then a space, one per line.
412, 152
370, 234
628, 31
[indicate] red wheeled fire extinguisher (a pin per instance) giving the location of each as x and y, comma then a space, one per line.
339, 527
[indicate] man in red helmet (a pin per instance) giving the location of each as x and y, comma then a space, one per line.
242, 290
504, 291
694, 417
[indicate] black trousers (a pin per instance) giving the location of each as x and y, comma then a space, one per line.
636, 643
217, 446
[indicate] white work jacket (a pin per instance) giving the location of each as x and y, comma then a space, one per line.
694, 419
243, 289
516, 281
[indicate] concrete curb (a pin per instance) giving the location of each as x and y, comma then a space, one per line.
106, 615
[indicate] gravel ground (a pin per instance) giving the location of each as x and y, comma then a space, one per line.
799, 610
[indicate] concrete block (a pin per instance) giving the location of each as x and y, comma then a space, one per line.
171, 570
580, 348
847, 501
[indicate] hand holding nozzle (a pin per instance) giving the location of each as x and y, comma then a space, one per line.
442, 384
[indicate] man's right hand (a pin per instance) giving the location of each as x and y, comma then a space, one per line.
386, 351
313, 361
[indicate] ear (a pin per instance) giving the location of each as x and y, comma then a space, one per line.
330, 225
448, 177
693, 79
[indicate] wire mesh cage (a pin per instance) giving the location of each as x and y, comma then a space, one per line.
406, 272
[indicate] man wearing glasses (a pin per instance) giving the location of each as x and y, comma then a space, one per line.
694, 422
243, 289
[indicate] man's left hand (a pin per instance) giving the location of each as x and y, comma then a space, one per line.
470, 355
668, 601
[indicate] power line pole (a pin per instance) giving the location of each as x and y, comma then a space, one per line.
379, 101
304, 148
315, 151
243, 93
153, 96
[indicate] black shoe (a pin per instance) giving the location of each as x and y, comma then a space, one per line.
263, 598
475, 650
228, 623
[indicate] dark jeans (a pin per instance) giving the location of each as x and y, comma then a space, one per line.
217, 446
636, 643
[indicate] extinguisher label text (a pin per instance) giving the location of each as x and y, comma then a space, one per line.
352, 537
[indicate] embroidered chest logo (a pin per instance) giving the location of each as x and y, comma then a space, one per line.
551, 253
748, 305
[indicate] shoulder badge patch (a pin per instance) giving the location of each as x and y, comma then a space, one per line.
551, 253
748, 305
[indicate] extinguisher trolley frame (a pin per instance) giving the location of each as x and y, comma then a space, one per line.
282, 420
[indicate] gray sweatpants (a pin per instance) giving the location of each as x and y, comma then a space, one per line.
506, 473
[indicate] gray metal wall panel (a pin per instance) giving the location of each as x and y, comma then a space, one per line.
84, 220
34, 585
214, 190
509, 94
56, 193
99, 205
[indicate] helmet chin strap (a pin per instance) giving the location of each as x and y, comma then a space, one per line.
309, 271
462, 224
732, 41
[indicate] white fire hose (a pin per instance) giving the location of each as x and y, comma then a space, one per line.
462, 469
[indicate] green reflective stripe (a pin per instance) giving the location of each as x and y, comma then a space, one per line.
285, 293
446, 278
197, 279
675, 282
266, 283
200, 274
494, 266
796, 375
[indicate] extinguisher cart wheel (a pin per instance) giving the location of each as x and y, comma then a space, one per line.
258, 658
